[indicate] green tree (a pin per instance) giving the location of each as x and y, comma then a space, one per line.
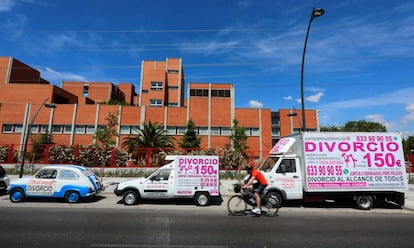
408, 145
364, 126
39, 143
238, 139
356, 126
150, 135
190, 138
106, 135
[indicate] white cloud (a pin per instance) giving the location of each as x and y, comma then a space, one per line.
255, 104
55, 76
379, 119
6, 5
315, 98
287, 98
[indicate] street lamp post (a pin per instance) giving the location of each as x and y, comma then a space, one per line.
27, 133
291, 114
315, 13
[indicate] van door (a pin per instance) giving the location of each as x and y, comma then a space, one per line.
157, 185
288, 177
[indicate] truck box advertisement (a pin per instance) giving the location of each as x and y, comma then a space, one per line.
354, 161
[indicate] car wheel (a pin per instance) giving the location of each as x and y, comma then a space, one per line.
72, 197
202, 199
17, 195
130, 198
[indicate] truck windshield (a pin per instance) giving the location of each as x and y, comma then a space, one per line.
268, 164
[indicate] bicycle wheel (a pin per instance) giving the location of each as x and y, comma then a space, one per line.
271, 204
236, 205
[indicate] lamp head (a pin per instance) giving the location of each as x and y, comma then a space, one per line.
317, 12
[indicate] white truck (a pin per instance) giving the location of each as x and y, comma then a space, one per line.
186, 176
318, 166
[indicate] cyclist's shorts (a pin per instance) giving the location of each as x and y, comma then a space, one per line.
259, 188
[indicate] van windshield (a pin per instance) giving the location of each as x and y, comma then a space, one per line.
268, 164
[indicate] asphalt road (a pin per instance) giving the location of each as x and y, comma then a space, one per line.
199, 227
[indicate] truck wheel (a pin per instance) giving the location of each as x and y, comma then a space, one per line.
17, 195
275, 199
130, 198
364, 202
202, 199
72, 197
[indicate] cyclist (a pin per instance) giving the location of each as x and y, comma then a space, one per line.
258, 182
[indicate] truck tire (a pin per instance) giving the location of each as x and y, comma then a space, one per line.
364, 202
275, 199
130, 198
202, 199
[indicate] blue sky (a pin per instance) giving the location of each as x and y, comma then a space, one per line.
359, 60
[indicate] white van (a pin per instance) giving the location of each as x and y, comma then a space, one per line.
195, 177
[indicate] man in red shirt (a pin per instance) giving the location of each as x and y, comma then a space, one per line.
259, 183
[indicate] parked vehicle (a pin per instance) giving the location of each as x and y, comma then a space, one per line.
317, 166
195, 177
4, 180
71, 182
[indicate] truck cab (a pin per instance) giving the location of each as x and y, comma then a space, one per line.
283, 174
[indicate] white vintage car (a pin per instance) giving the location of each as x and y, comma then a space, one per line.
71, 182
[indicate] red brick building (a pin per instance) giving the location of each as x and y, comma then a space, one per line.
81, 108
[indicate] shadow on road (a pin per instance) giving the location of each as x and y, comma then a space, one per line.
341, 204
92, 199
215, 201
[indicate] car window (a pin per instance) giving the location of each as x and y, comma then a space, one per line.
47, 174
287, 166
68, 175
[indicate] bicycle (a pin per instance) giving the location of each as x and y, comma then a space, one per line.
238, 204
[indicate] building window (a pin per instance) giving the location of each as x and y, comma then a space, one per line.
225, 131
125, 130
90, 129
85, 90
173, 130
220, 93
144, 92
156, 85
12, 128
181, 130
173, 87
275, 131
198, 92
215, 131
173, 104
80, 129
156, 102
173, 71
8, 128
202, 130
252, 131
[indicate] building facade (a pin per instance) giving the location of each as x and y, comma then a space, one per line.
81, 108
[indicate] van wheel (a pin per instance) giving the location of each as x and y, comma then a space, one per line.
130, 198
364, 202
17, 195
72, 197
202, 199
